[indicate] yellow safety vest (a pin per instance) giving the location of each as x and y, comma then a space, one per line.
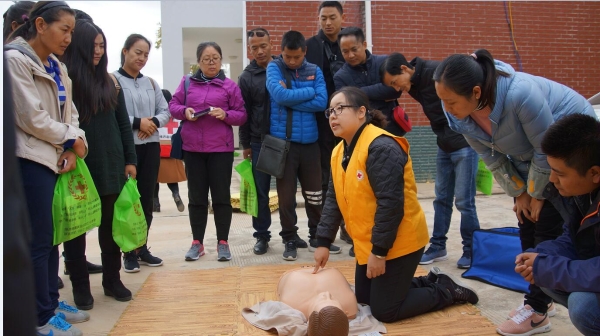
358, 204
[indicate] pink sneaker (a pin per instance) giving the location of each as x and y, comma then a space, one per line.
551, 310
195, 252
526, 322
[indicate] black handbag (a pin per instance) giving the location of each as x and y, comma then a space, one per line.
273, 151
176, 141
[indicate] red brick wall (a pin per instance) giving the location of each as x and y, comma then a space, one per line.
557, 40
282, 16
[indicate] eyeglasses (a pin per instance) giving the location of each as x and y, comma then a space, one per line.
258, 33
208, 60
336, 110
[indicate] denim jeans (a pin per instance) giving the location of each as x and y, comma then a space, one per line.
262, 223
455, 181
584, 309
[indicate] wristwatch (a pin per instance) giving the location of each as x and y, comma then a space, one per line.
379, 257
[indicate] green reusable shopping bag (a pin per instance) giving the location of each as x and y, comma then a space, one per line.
484, 179
76, 206
248, 198
129, 223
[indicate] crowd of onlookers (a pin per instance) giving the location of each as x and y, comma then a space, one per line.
335, 105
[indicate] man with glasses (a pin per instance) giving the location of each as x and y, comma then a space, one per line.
306, 97
361, 70
252, 82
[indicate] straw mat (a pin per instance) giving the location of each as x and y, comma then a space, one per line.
209, 302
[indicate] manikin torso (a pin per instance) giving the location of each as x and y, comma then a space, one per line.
302, 290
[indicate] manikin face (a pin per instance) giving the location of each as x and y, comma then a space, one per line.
137, 56
455, 104
323, 300
354, 53
98, 49
56, 37
569, 182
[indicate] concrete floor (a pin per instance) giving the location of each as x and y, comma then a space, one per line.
170, 237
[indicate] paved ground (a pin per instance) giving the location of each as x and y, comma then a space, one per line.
170, 238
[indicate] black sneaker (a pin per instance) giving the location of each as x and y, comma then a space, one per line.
130, 262
459, 291
351, 252
332, 249
178, 202
300, 243
61, 284
145, 258
344, 234
291, 251
155, 205
432, 276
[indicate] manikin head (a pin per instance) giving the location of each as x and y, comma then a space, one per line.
327, 317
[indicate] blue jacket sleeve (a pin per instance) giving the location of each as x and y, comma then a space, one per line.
282, 96
317, 103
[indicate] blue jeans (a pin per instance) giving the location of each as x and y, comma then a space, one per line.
455, 181
262, 180
584, 309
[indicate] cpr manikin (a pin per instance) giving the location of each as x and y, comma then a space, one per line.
325, 298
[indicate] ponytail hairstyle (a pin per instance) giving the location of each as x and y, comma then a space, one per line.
461, 73
93, 90
19, 13
130, 41
357, 97
49, 11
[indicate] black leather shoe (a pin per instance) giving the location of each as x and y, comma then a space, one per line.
92, 269
60, 283
351, 251
261, 246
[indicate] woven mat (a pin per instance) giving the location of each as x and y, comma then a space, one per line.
208, 302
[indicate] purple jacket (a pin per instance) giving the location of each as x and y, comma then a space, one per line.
209, 134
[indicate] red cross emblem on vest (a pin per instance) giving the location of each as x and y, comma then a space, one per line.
360, 175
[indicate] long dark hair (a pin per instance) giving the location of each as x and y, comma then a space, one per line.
93, 89
50, 11
461, 73
17, 13
130, 41
357, 97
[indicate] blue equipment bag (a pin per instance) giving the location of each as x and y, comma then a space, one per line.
493, 258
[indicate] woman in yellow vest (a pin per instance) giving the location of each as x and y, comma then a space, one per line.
372, 187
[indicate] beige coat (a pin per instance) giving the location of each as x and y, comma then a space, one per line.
41, 127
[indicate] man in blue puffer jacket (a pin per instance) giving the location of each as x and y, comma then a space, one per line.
306, 96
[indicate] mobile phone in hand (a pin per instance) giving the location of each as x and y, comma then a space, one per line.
201, 113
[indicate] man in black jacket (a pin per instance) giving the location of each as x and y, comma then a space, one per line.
456, 161
362, 71
252, 83
324, 51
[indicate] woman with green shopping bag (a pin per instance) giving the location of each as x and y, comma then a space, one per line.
112, 156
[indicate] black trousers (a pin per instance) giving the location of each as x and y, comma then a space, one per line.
148, 158
75, 248
174, 187
302, 163
209, 171
397, 294
548, 227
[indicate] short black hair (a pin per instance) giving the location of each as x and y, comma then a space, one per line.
352, 31
574, 139
393, 65
81, 15
202, 46
293, 40
335, 4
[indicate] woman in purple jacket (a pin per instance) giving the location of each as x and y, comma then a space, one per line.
208, 144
